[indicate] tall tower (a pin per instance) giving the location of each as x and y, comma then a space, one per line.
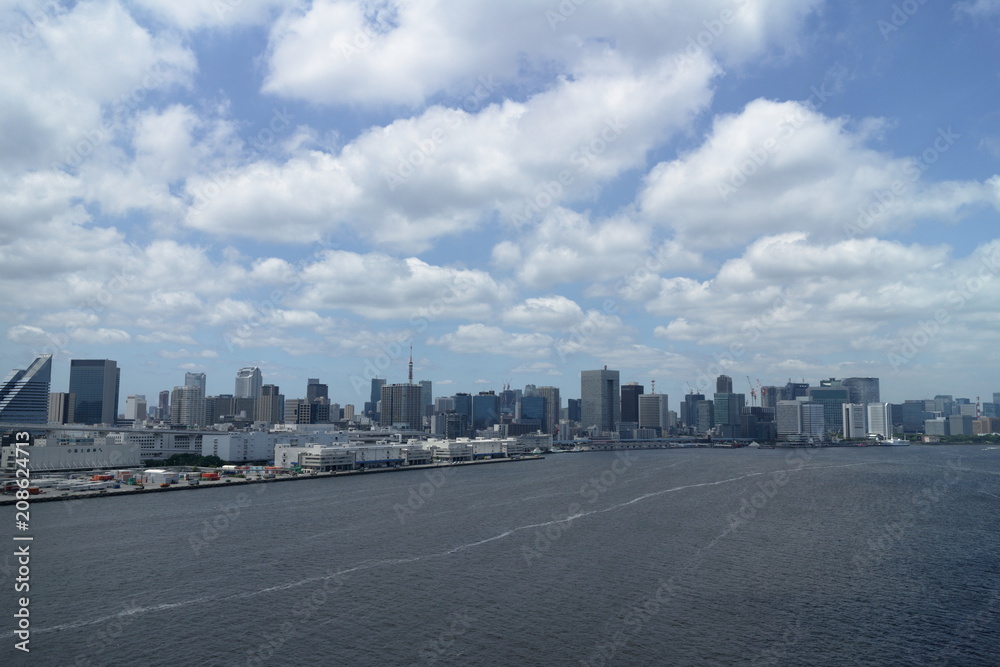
600, 398
630, 401
724, 385
195, 380
95, 383
552, 407
248, 382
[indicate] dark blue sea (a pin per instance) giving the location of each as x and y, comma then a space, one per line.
853, 556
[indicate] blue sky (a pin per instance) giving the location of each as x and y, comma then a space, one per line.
767, 188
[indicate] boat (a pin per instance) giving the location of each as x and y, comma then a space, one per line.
894, 442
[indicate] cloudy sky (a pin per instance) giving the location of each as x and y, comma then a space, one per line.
768, 188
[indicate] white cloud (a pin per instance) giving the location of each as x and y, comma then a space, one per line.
489, 340
780, 166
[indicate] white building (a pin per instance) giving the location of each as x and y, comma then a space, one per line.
260, 445
855, 420
879, 420
66, 453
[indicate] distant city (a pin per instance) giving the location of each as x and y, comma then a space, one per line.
607, 411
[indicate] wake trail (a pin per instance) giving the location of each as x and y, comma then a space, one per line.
391, 562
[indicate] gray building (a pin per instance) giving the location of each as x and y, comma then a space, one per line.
654, 412
600, 400
553, 405
862, 390
248, 382
402, 404
95, 383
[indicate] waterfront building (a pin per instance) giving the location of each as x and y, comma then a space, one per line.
855, 420
600, 398
95, 384
24, 394
553, 407
485, 410
879, 420
630, 401
530, 410
654, 413
960, 424
862, 390
832, 398
937, 426
249, 380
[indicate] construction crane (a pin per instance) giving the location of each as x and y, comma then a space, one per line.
753, 392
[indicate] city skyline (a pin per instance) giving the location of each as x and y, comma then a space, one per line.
779, 190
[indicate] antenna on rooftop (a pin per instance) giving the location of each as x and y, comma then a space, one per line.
411, 364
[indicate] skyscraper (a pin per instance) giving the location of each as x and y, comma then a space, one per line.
855, 420
315, 389
600, 398
485, 410
61, 406
248, 382
195, 380
723, 384
862, 390
270, 405
553, 404
426, 396
630, 402
163, 407
402, 404
654, 412
377, 384
95, 382
187, 406
24, 394
879, 420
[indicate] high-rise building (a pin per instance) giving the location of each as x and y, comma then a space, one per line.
574, 409
630, 402
24, 394
485, 410
723, 384
855, 420
793, 390
248, 382
531, 410
377, 384
135, 408
689, 412
706, 416
349, 411
402, 404
271, 405
426, 397
832, 398
552, 407
187, 406
769, 397
196, 380
463, 406
600, 400
654, 412
862, 390
95, 383
61, 406
728, 408
315, 389
879, 419
163, 407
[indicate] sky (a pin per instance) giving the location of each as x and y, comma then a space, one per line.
771, 189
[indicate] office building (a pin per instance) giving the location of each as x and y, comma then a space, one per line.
315, 389
95, 384
376, 396
135, 408
426, 397
61, 407
187, 406
689, 411
832, 398
402, 405
728, 408
24, 394
530, 411
630, 402
553, 407
706, 416
271, 405
600, 400
723, 384
249, 380
574, 410
485, 410
654, 413
960, 424
196, 380
879, 420
163, 406
855, 421
862, 390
